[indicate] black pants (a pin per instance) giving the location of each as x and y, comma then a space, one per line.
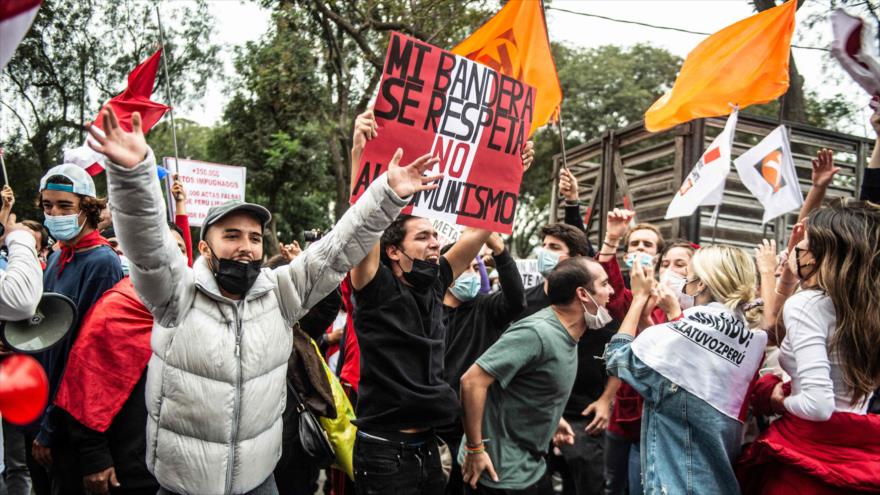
541, 487
584, 461
41, 483
452, 436
398, 463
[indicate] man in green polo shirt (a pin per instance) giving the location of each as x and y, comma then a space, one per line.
515, 393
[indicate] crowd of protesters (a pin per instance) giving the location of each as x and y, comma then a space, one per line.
702, 370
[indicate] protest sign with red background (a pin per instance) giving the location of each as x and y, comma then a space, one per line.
475, 120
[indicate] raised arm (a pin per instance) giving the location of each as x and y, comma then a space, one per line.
823, 173
158, 271
321, 267
508, 302
871, 180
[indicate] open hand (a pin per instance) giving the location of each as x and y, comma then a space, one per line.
601, 411
765, 255
823, 168
408, 180
122, 148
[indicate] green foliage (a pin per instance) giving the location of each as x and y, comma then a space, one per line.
77, 56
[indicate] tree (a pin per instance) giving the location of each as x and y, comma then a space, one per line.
76, 57
605, 88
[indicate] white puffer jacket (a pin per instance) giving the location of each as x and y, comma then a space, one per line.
216, 380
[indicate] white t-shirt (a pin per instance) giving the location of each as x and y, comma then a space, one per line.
817, 385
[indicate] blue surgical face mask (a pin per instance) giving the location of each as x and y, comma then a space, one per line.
63, 227
547, 261
466, 287
645, 259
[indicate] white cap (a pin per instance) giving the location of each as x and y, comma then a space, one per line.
82, 181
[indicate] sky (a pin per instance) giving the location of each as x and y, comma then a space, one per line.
239, 22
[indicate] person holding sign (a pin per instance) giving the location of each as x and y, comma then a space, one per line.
693, 373
215, 387
398, 293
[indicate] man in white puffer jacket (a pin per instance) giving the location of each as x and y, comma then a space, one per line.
222, 334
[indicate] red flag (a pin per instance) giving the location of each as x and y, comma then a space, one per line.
16, 17
136, 97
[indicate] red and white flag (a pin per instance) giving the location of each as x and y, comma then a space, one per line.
768, 171
135, 98
704, 186
854, 48
16, 17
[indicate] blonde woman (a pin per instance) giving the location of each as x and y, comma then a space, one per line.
825, 442
694, 373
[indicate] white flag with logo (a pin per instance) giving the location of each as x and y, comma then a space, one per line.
704, 186
767, 170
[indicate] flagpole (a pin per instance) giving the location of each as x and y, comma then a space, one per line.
3, 163
561, 136
168, 88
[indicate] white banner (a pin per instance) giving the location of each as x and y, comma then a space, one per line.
767, 170
704, 186
528, 270
207, 185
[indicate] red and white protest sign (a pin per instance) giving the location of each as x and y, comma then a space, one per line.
207, 185
475, 120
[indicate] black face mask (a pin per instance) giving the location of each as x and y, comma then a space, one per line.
423, 273
235, 277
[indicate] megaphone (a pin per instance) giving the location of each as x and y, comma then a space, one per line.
24, 389
54, 318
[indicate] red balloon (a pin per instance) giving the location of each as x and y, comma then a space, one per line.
24, 389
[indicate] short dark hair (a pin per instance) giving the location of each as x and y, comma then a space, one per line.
574, 238
564, 280
395, 233
92, 207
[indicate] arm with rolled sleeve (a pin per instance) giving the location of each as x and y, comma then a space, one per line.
21, 285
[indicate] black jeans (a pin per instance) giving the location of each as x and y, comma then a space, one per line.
397, 463
541, 487
585, 461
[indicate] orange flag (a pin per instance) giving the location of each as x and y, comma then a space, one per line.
514, 42
743, 64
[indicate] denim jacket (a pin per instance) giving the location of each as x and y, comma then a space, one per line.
687, 446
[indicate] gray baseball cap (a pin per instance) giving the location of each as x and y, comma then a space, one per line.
215, 213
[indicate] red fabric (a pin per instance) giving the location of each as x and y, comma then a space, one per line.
108, 357
12, 8
619, 303
136, 97
841, 455
182, 221
351, 359
91, 239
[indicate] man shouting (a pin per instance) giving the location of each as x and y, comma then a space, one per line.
215, 384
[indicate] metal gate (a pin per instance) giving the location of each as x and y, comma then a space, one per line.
633, 167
